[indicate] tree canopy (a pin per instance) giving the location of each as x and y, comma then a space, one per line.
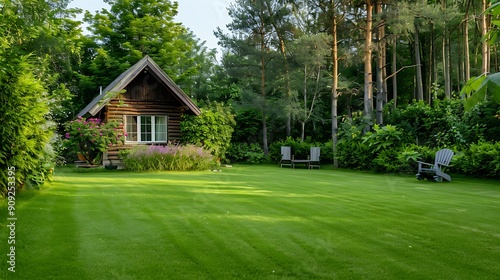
297, 68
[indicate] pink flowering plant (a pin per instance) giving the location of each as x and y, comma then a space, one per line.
91, 137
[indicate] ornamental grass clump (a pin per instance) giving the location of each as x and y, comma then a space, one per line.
169, 157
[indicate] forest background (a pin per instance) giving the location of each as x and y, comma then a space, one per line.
377, 84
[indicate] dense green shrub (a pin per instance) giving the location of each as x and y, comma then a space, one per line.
326, 153
244, 152
25, 130
382, 138
352, 152
212, 129
384, 144
45, 170
484, 121
445, 123
409, 155
387, 161
418, 120
481, 160
170, 157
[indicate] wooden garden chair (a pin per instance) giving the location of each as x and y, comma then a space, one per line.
286, 156
314, 157
426, 170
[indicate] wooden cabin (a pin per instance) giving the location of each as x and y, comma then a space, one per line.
148, 103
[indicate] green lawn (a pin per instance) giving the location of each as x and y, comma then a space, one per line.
255, 222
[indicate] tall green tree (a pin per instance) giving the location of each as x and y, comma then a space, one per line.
367, 58
250, 52
485, 50
199, 84
284, 32
128, 31
310, 54
57, 46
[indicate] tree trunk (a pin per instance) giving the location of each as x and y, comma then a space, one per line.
304, 93
432, 67
368, 90
264, 134
466, 44
394, 70
418, 69
287, 83
485, 47
446, 65
303, 128
380, 95
263, 93
335, 79
495, 51
446, 58
380, 67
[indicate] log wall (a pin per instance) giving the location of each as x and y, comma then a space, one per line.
117, 109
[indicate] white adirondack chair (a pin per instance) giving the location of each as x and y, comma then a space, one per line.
314, 157
286, 156
443, 158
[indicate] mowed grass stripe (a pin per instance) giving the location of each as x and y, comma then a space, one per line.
260, 222
125, 238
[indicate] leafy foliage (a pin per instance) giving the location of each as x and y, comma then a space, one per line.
480, 88
38, 51
445, 123
244, 152
25, 130
126, 32
91, 137
382, 138
383, 144
481, 160
247, 126
212, 129
351, 151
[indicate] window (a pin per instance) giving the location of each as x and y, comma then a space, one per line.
146, 128
161, 128
131, 128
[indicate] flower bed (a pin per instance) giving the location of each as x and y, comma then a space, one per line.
169, 157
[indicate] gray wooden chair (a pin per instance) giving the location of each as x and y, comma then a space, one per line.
286, 156
314, 157
435, 171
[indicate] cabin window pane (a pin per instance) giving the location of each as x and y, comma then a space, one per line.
146, 128
131, 128
160, 128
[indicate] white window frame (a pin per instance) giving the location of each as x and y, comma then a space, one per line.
153, 129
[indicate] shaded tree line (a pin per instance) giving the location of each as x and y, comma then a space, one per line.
306, 65
290, 68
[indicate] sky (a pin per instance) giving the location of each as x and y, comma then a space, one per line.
200, 16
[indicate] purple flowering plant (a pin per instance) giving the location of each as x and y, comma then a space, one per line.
169, 157
91, 137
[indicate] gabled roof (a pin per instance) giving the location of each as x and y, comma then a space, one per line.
128, 76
